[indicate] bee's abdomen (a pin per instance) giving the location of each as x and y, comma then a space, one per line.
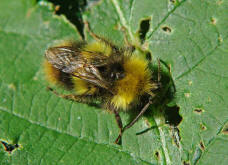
57, 77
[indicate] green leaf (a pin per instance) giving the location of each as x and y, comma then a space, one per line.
190, 36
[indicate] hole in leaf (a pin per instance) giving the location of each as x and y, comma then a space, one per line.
198, 110
9, 147
144, 28
72, 10
157, 155
202, 147
172, 115
173, 118
166, 29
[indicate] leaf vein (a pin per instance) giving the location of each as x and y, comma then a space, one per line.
165, 18
122, 19
198, 63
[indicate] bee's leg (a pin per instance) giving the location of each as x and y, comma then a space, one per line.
138, 116
120, 125
72, 97
98, 38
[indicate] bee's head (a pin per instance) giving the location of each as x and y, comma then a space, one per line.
116, 72
112, 72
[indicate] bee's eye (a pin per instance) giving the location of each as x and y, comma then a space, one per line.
117, 72
112, 75
114, 71
119, 75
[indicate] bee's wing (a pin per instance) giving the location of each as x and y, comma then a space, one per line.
64, 58
95, 58
82, 65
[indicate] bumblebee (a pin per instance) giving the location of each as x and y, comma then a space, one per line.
99, 71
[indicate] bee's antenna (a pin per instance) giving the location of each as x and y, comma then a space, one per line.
139, 115
86, 23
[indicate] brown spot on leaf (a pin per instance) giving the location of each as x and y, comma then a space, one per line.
166, 29
225, 129
203, 127
157, 155
198, 110
9, 147
202, 147
213, 21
